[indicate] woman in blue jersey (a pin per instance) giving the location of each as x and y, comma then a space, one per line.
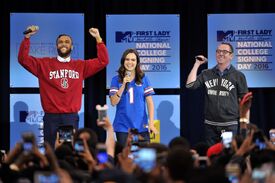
130, 91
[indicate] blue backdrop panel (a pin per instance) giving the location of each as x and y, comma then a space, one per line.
156, 38
167, 110
43, 42
26, 114
252, 38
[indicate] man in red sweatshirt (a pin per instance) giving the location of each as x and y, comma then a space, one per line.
60, 79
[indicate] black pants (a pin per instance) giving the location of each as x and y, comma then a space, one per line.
122, 137
213, 133
53, 121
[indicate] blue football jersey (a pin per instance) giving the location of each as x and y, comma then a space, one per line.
131, 109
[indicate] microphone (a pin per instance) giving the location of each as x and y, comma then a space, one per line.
128, 73
31, 29
201, 58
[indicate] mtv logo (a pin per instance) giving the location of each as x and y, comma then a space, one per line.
225, 36
124, 36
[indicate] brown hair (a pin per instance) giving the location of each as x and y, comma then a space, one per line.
121, 71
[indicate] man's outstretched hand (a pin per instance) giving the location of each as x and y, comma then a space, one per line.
32, 30
95, 33
245, 104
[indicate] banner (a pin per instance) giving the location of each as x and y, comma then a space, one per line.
167, 116
157, 40
252, 38
43, 43
26, 115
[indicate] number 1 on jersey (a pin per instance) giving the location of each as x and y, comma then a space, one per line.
131, 92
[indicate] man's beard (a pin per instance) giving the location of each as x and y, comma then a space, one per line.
64, 55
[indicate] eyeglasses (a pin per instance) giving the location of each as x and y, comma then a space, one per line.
224, 52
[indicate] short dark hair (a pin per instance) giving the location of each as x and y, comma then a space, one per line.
60, 35
92, 141
230, 45
179, 163
179, 142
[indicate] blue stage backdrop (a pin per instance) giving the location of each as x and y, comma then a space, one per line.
156, 38
43, 42
26, 114
252, 38
167, 111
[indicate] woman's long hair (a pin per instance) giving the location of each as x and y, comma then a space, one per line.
139, 74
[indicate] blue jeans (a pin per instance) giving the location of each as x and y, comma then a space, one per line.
53, 121
122, 137
213, 133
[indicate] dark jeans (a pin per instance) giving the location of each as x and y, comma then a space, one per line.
122, 137
53, 121
213, 133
